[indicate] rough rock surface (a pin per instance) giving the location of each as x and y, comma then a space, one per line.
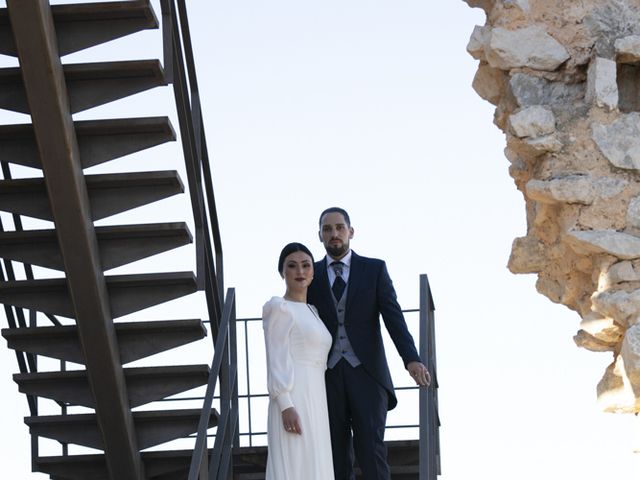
628, 49
602, 86
565, 79
529, 47
619, 141
532, 121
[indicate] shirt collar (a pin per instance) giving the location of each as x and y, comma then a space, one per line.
346, 259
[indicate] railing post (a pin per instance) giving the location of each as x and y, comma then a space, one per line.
233, 339
429, 438
35, 452
225, 399
248, 382
221, 463
204, 469
424, 455
224, 369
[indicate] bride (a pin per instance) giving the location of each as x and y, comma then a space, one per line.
297, 345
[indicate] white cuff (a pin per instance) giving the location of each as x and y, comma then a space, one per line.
284, 401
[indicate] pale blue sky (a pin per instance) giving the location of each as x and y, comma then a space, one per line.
368, 105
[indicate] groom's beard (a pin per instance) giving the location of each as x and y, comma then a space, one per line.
337, 251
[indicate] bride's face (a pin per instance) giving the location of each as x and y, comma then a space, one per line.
297, 271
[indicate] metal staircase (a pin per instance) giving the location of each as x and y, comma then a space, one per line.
39, 34
73, 318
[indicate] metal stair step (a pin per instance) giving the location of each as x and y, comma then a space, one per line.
403, 452
89, 84
84, 25
152, 427
405, 472
82, 467
136, 339
250, 462
73, 467
144, 385
99, 140
127, 293
109, 194
119, 245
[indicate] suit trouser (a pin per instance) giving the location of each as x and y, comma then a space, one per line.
358, 403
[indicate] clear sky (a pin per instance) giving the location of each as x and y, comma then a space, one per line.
367, 104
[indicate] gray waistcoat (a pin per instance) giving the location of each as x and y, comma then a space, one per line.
342, 347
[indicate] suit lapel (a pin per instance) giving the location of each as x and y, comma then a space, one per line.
325, 295
356, 275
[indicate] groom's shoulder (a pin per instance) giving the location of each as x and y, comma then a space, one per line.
368, 260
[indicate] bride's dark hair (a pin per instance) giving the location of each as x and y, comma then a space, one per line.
288, 250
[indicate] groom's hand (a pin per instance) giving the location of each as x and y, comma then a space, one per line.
419, 373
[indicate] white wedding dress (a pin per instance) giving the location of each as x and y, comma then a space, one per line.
297, 345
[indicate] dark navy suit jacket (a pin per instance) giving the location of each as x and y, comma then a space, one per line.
370, 294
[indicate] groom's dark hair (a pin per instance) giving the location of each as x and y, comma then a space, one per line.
339, 210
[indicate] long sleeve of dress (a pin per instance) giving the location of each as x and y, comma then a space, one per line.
277, 322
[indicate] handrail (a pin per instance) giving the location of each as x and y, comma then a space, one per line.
180, 70
250, 394
224, 365
429, 442
202, 151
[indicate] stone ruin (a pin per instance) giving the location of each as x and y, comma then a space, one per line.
564, 76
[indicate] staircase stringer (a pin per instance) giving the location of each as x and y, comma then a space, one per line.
43, 76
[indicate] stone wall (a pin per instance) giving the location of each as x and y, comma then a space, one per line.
564, 76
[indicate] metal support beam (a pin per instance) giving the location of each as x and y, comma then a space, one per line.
48, 99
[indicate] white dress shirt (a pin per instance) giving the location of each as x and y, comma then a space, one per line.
346, 260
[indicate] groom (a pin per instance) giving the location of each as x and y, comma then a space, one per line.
350, 293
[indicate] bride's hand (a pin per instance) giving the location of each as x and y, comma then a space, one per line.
291, 421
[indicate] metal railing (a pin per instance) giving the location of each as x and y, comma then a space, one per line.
180, 70
248, 432
429, 422
224, 366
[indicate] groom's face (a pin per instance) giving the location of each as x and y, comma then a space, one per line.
335, 234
